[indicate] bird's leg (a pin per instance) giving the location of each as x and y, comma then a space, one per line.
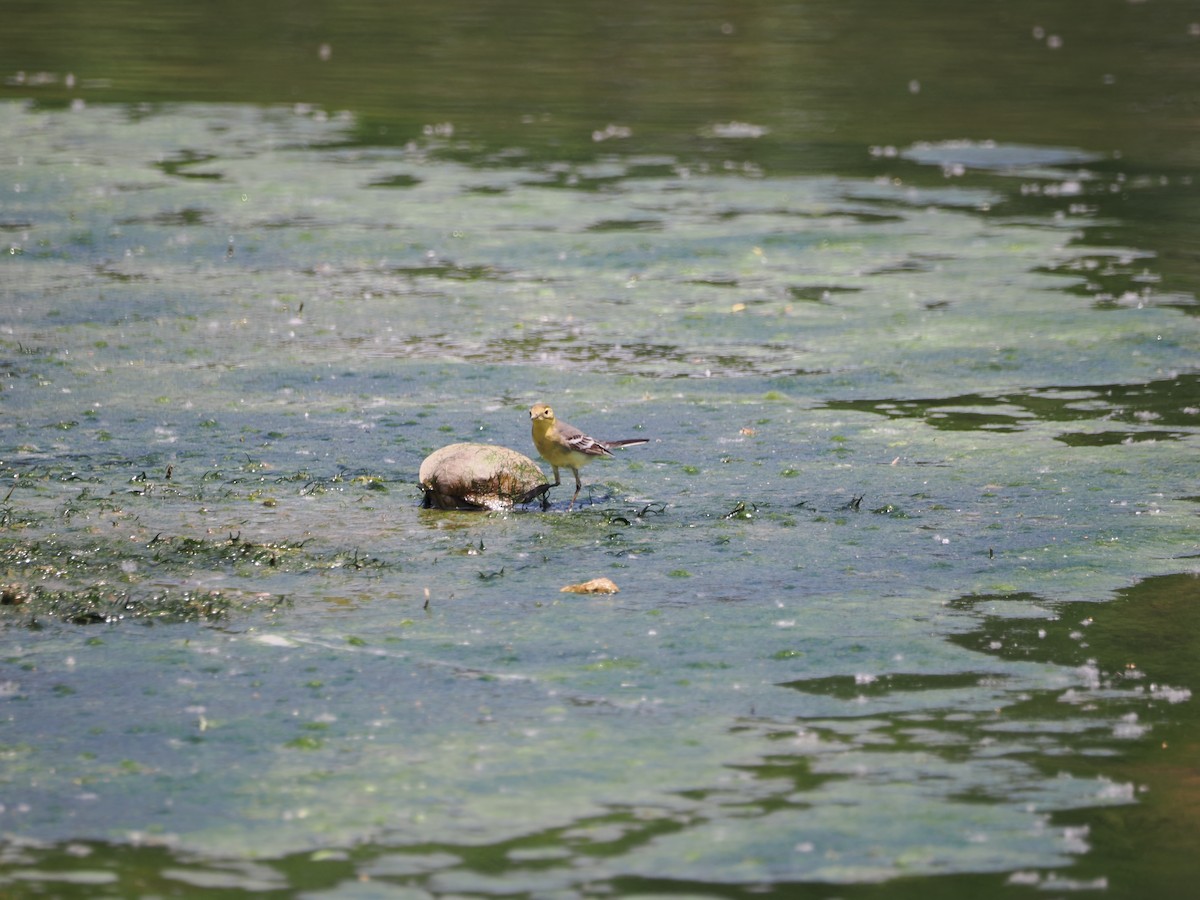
557, 482
578, 488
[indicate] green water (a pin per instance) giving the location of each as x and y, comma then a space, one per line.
903, 298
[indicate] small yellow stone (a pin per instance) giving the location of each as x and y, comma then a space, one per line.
595, 586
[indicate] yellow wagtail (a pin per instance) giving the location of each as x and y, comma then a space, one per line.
565, 445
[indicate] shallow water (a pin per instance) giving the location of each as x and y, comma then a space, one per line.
906, 569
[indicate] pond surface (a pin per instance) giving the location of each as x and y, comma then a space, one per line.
908, 585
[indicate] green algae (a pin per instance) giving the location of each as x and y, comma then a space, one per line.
32, 605
895, 435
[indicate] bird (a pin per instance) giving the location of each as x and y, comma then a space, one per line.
565, 446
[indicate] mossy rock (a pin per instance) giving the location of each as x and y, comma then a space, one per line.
480, 476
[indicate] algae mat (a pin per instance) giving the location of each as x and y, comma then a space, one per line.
914, 440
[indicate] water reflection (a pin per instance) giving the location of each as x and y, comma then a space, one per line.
1082, 728
1147, 407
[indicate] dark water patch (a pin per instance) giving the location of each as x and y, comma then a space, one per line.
110, 272
911, 265
664, 169
935, 411
970, 421
823, 294
486, 190
1137, 651
1122, 648
133, 188
450, 271
573, 180
1173, 401
1184, 303
730, 214
395, 181
865, 218
1168, 401
179, 165
1120, 280
848, 687
1112, 438
839, 216
288, 222
610, 225
181, 217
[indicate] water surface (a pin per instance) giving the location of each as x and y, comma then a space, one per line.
907, 568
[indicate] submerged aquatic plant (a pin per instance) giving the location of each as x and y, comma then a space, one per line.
32, 605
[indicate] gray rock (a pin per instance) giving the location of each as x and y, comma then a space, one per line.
480, 476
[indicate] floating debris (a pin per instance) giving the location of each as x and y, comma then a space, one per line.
595, 586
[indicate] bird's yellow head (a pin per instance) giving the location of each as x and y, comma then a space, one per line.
541, 412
